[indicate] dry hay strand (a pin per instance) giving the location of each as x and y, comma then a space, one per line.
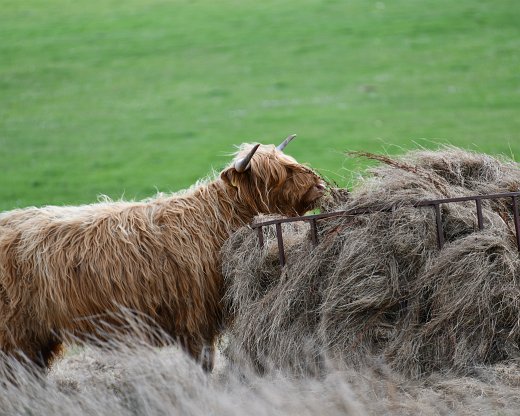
377, 285
127, 376
132, 379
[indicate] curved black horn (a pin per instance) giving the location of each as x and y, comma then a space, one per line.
285, 142
242, 165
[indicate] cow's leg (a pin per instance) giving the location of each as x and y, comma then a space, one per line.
49, 352
208, 358
198, 341
29, 349
204, 353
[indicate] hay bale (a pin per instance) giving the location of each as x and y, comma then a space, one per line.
377, 284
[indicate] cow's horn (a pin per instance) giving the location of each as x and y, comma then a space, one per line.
285, 142
243, 164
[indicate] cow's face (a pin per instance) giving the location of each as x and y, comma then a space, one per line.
269, 181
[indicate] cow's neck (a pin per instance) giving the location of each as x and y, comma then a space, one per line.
234, 213
214, 205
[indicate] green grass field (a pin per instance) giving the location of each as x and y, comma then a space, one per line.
127, 98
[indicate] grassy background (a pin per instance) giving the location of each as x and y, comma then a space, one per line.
124, 98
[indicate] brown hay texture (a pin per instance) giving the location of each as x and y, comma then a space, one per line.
377, 287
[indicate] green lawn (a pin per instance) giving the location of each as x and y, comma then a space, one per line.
126, 98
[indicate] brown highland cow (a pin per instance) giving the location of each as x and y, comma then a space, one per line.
61, 266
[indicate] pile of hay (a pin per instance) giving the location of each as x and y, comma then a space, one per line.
377, 286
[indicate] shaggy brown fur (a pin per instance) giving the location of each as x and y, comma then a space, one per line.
60, 267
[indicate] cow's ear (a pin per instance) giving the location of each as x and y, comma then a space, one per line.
231, 177
236, 174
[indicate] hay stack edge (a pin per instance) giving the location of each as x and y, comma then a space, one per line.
377, 287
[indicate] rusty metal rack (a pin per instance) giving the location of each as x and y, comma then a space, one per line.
434, 203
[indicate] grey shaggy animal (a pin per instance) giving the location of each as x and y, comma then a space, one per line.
65, 269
